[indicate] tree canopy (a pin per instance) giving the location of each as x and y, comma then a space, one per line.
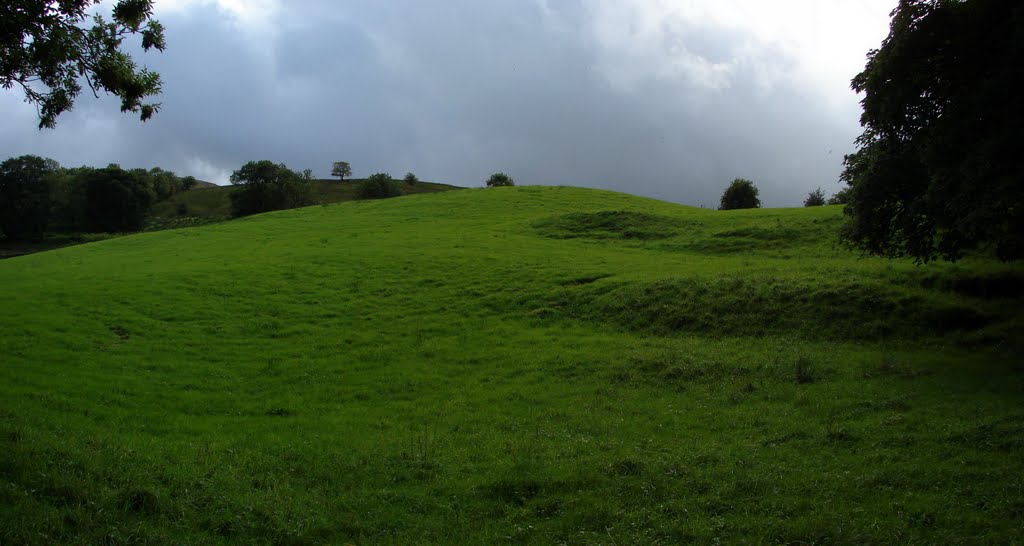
815, 198
378, 186
939, 169
45, 50
500, 179
741, 194
25, 196
264, 186
341, 169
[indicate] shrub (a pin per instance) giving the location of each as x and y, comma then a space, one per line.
741, 194
411, 179
264, 186
841, 197
815, 199
500, 179
378, 186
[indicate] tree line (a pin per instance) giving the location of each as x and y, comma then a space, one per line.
37, 196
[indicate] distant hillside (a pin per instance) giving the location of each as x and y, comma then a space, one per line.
210, 202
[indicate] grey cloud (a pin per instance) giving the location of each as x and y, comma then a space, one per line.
457, 90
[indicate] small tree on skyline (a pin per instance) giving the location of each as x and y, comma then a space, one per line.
500, 179
815, 199
411, 179
741, 194
341, 169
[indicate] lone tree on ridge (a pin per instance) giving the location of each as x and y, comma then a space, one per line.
341, 169
741, 194
500, 179
815, 199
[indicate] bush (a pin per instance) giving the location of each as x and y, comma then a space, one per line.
378, 186
741, 194
815, 199
500, 179
841, 197
264, 186
411, 179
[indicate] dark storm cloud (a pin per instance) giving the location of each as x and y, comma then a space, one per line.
458, 91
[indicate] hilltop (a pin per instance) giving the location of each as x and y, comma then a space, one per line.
209, 202
530, 365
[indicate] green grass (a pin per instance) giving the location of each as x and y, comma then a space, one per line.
207, 204
513, 365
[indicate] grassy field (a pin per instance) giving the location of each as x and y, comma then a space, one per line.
529, 365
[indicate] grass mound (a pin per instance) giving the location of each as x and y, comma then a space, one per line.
610, 224
758, 306
511, 365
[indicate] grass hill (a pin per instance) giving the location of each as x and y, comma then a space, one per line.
531, 365
209, 202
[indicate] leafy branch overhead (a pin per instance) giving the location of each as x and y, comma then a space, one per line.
47, 49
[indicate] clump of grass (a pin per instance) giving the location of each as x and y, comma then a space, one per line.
140, 501
804, 371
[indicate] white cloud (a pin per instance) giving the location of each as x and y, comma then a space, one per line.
205, 170
820, 44
255, 15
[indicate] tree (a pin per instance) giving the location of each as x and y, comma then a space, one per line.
741, 194
815, 199
45, 51
116, 200
841, 197
341, 169
939, 170
378, 186
500, 179
25, 196
263, 186
411, 179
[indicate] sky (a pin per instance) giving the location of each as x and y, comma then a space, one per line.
670, 99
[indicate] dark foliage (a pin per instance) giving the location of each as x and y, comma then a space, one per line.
378, 186
815, 199
25, 196
264, 186
37, 195
117, 200
411, 179
500, 179
42, 45
741, 194
841, 197
939, 168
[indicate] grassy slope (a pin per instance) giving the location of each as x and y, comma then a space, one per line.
532, 364
212, 201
